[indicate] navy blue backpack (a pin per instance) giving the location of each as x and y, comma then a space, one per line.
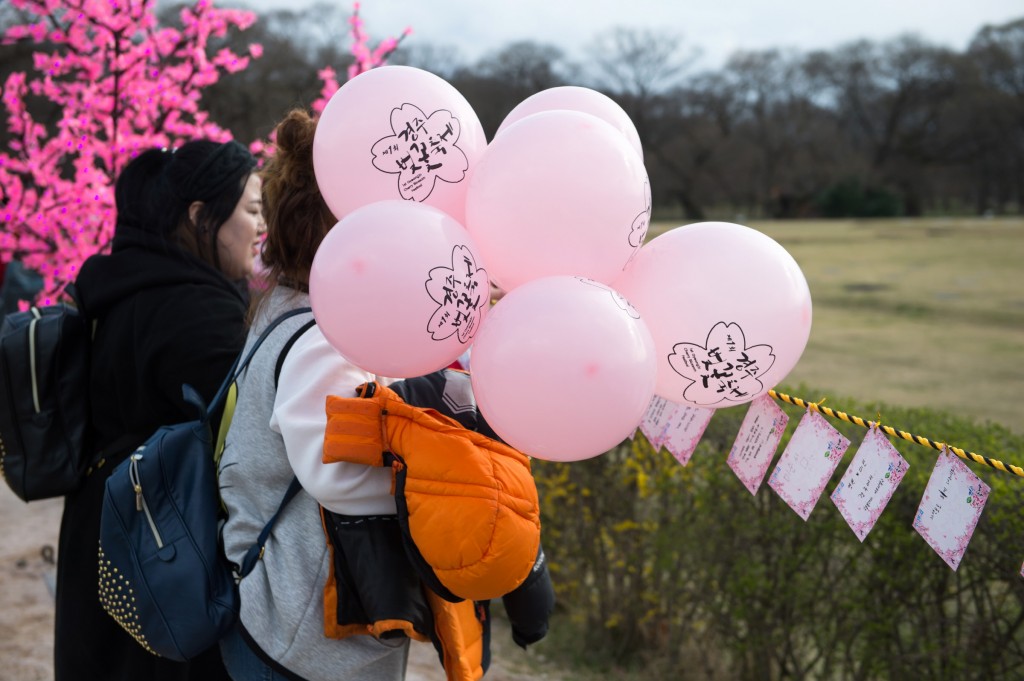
162, 572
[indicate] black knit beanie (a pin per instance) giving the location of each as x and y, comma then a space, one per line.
222, 171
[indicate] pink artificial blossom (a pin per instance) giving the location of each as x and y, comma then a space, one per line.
366, 59
123, 84
363, 58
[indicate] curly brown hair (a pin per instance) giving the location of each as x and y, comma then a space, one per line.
297, 217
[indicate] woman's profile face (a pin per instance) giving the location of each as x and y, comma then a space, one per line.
238, 239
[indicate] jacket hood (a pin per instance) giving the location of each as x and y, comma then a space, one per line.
140, 261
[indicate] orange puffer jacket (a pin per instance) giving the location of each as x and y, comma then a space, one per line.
468, 519
467, 503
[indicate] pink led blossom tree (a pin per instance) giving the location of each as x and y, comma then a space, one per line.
123, 84
364, 58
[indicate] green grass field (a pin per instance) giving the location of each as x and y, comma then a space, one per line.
916, 313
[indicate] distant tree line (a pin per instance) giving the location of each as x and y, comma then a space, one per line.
867, 129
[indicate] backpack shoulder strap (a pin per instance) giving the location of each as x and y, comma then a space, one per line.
242, 362
230, 388
255, 551
288, 346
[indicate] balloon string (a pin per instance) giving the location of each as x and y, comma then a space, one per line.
843, 416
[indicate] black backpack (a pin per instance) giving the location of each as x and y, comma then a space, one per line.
44, 407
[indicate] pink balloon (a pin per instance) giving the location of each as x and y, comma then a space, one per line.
728, 307
396, 288
558, 193
563, 368
397, 132
575, 98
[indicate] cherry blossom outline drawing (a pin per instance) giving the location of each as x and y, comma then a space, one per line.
421, 150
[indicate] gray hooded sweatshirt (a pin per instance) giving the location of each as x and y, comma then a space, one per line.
282, 598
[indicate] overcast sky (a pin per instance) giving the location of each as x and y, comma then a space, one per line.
717, 27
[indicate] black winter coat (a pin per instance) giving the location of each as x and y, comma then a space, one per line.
164, 318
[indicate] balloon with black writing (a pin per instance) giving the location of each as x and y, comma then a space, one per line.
397, 132
728, 307
398, 289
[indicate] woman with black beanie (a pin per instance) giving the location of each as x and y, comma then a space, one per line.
168, 311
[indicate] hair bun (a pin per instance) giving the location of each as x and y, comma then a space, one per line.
294, 147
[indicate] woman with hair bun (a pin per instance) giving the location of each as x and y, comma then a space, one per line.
168, 311
335, 595
278, 423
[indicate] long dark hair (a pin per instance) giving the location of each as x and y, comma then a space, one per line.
155, 190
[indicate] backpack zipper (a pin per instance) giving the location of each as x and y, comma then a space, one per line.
140, 500
32, 356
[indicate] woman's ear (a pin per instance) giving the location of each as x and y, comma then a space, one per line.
193, 212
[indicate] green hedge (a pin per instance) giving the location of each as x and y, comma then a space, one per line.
679, 572
851, 199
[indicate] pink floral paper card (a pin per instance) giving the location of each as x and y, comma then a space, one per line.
868, 484
809, 460
950, 508
655, 418
684, 429
757, 441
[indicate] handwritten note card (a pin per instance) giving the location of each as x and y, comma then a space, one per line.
655, 418
868, 484
950, 508
756, 442
684, 429
807, 463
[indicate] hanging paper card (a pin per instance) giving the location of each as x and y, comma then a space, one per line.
874, 474
684, 429
655, 418
808, 462
755, 444
950, 508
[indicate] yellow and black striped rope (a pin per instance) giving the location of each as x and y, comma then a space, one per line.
843, 416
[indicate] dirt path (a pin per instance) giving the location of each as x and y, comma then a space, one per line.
26, 603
